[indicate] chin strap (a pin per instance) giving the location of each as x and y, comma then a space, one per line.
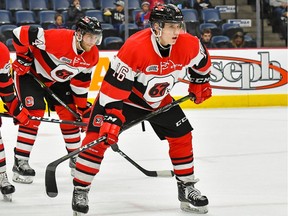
79, 38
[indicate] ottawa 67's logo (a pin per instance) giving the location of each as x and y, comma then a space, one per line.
158, 88
63, 73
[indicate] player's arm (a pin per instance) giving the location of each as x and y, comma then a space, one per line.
80, 86
199, 75
22, 39
116, 87
7, 92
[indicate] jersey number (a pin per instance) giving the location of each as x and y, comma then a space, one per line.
120, 73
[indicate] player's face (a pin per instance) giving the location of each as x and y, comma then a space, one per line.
88, 41
170, 33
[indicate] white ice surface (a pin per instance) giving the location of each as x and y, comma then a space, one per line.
240, 159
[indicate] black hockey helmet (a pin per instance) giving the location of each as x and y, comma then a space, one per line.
89, 24
169, 13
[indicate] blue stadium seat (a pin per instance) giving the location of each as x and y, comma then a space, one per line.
211, 15
191, 20
109, 30
220, 41
38, 5
133, 4
229, 29
107, 4
46, 18
215, 30
95, 13
5, 17
190, 15
6, 30
132, 28
112, 43
49, 4
14, 5
65, 15
60, 5
24, 18
248, 40
87, 5
36, 25
191, 2
9, 44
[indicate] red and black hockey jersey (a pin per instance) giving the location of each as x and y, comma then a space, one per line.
141, 77
6, 82
56, 58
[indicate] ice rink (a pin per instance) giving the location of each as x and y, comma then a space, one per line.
240, 159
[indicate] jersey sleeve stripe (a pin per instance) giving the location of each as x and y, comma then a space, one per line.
80, 83
79, 90
114, 92
36, 37
105, 99
20, 39
124, 84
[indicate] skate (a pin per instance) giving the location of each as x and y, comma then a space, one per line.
80, 200
6, 188
23, 173
72, 165
191, 199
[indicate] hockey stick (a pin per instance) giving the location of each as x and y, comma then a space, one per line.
50, 120
50, 175
161, 173
183, 80
51, 93
188, 82
167, 173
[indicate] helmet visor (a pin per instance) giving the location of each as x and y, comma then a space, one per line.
93, 38
177, 25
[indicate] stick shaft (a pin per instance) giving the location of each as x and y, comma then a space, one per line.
51, 93
50, 176
163, 173
50, 120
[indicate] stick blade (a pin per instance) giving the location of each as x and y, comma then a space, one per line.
165, 173
50, 180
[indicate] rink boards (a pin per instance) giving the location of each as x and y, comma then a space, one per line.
239, 78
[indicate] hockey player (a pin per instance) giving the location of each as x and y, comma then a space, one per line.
136, 84
16, 109
63, 59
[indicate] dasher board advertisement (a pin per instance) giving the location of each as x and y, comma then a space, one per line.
239, 77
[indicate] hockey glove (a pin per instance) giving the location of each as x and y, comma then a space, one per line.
111, 126
22, 63
85, 114
200, 87
20, 113
111, 131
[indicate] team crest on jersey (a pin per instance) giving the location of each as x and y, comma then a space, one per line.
159, 90
29, 101
37, 42
63, 74
98, 120
66, 60
152, 68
